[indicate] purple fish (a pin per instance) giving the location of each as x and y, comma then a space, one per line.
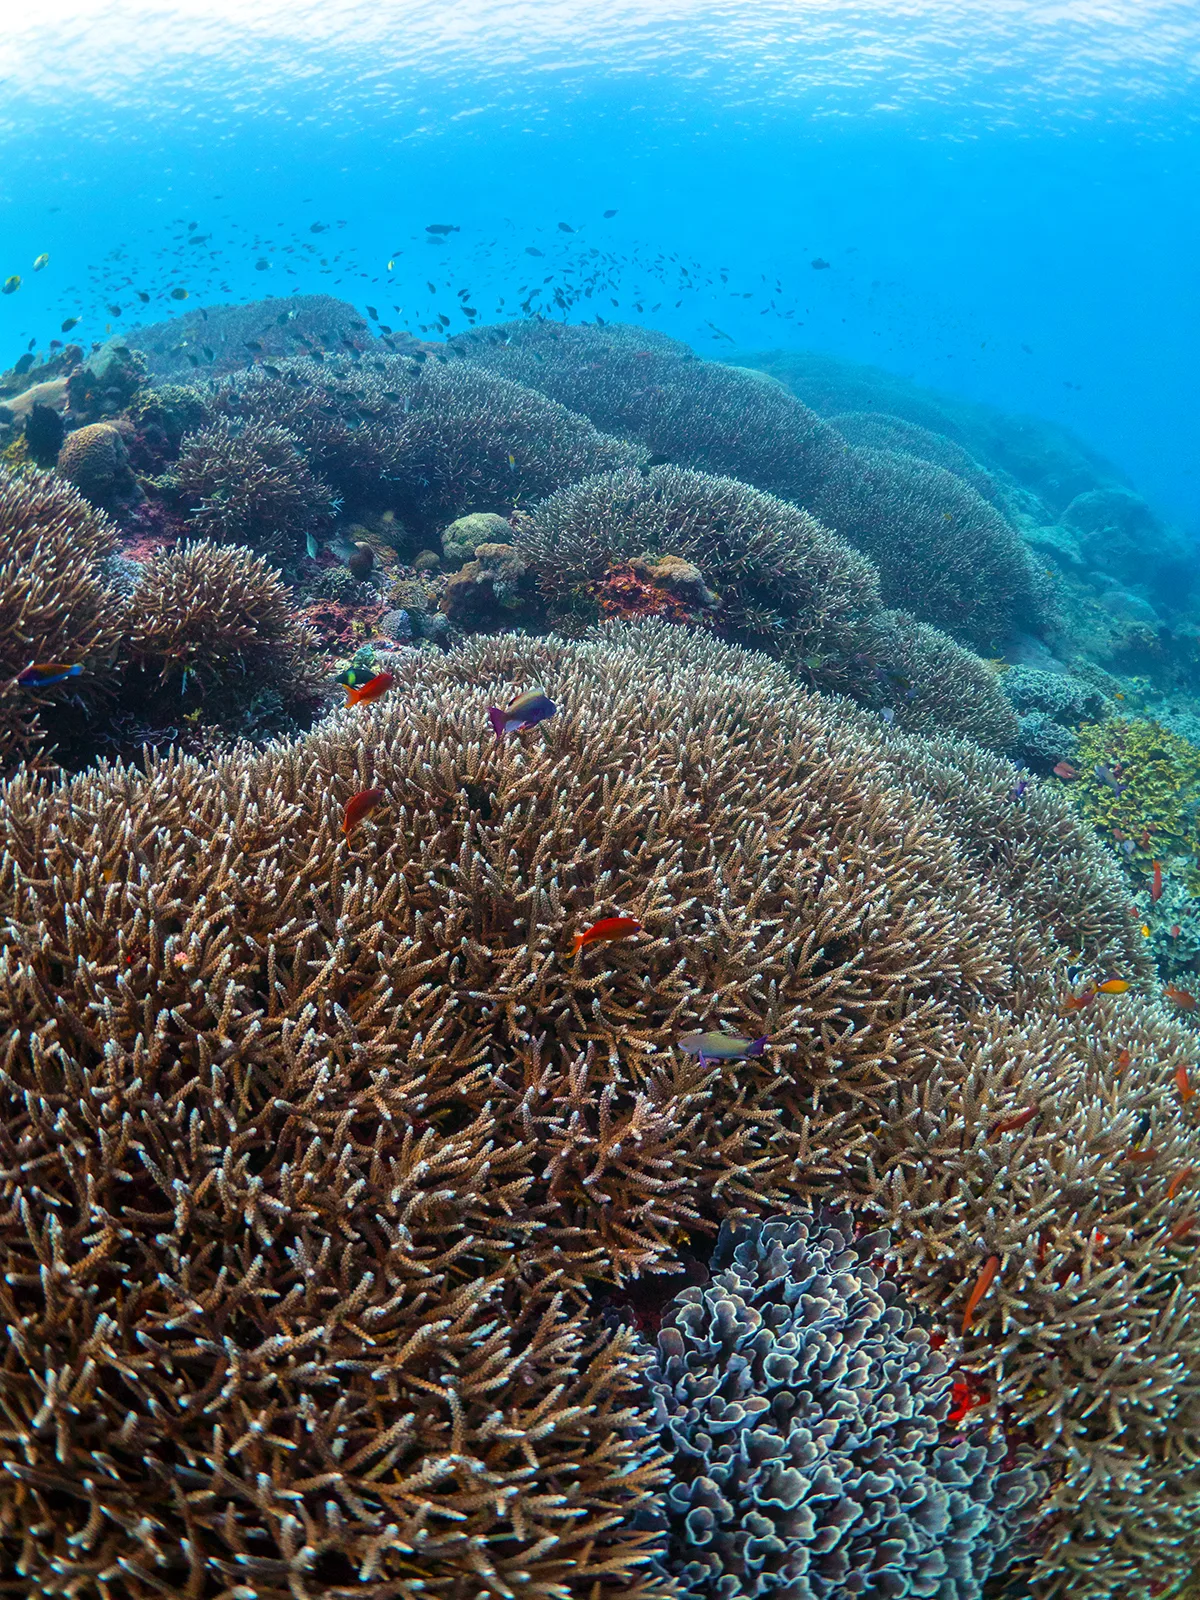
41, 674
526, 711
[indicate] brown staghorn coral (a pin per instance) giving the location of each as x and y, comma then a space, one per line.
785, 582
428, 441
54, 605
877, 430
211, 611
242, 1037
935, 686
249, 484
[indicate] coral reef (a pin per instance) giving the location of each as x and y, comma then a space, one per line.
1042, 743
428, 441
54, 604
215, 613
220, 339
105, 382
876, 430
249, 484
930, 684
461, 536
644, 386
807, 1419
96, 461
486, 587
295, 1125
1140, 783
943, 553
1061, 695
784, 581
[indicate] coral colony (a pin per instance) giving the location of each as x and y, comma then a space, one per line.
597, 966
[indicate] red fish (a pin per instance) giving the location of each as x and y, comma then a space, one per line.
607, 928
1064, 769
1156, 883
982, 1284
1181, 1080
371, 690
1080, 1002
962, 1400
1123, 1061
1176, 930
1183, 1228
359, 806
1177, 1182
1010, 1124
1180, 997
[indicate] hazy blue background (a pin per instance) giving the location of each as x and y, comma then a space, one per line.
981, 177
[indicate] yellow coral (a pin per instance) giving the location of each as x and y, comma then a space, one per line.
1158, 775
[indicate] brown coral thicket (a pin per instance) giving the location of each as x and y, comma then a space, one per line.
250, 484
937, 686
278, 1103
211, 611
54, 605
784, 581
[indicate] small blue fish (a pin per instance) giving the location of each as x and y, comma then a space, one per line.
1107, 776
41, 674
721, 1046
526, 711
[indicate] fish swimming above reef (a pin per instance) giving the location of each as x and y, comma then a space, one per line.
443, 228
358, 807
11, 285
722, 1046
41, 674
526, 711
371, 690
1109, 777
41, 261
607, 929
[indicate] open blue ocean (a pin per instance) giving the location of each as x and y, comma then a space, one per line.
600, 800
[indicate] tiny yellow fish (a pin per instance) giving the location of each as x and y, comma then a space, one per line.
41, 261
391, 266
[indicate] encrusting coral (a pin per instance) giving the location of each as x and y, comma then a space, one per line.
249, 484
296, 1123
54, 604
806, 1415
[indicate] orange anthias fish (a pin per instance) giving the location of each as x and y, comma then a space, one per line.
1156, 882
1177, 1182
1180, 997
1011, 1124
982, 1284
371, 690
359, 806
607, 928
1181, 1082
1080, 1002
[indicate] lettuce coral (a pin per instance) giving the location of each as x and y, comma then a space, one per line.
1140, 781
807, 1419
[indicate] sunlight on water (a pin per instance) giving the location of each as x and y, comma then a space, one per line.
983, 60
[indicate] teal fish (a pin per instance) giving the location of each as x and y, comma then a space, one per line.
722, 1046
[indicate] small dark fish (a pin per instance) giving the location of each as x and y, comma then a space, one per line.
261, 264
143, 297
12, 284
179, 294
610, 213
114, 311
442, 228
531, 250
526, 711
1156, 883
565, 227
317, 227
41, 674
1108, 776
274, 371
23, 365
821, 264
209, 353
69, 323
252, 344
372, 313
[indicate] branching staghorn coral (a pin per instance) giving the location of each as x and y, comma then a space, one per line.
208, 612
877, 430
364, 1075
808, 1419
429, 441
647, 387
785, 583
249, 484
54, 606
942, 551
934, 686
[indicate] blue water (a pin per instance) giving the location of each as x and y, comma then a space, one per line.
1006, 194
